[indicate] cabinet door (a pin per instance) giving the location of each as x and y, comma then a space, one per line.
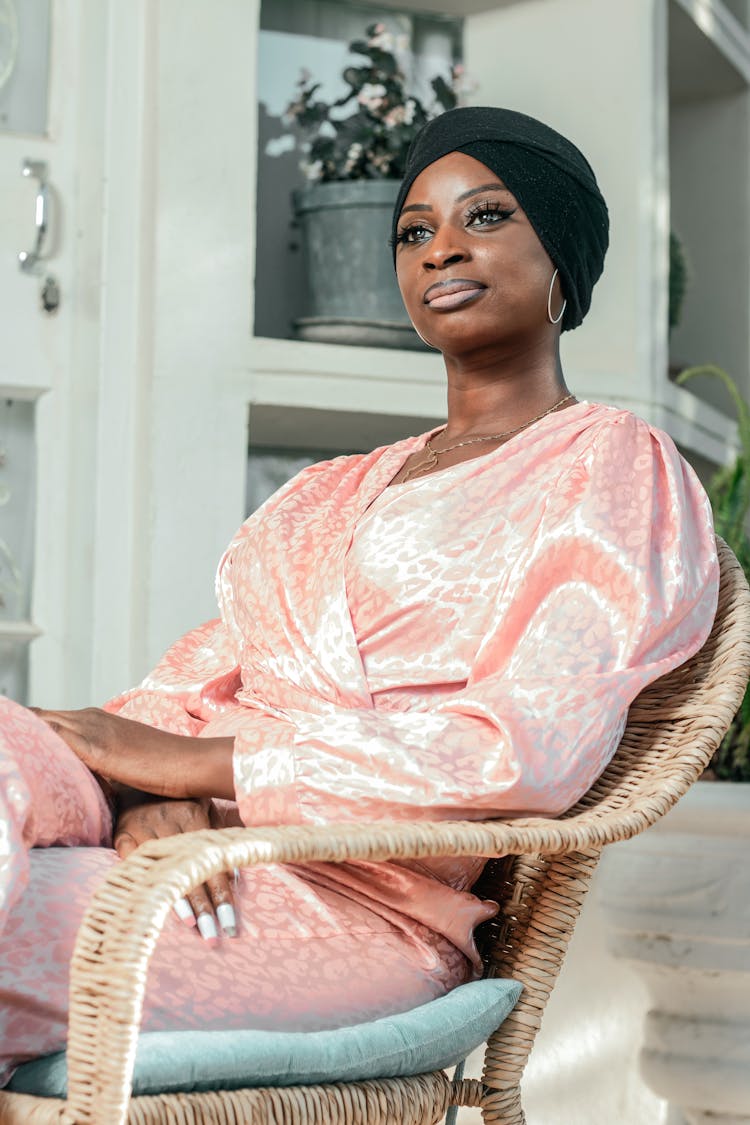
44, 109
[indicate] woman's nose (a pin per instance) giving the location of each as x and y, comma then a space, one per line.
445, 249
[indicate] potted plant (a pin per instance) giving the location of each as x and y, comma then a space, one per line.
355, 153
677, 898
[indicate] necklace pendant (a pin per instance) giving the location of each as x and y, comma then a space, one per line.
424, 466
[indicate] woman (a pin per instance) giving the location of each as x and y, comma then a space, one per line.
449, 627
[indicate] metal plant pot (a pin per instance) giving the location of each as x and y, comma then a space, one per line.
353, 297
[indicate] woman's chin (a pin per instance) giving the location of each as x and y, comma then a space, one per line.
455, 334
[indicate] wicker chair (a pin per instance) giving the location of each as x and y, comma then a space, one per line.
540, 872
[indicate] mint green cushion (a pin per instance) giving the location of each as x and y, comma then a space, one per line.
431, 1037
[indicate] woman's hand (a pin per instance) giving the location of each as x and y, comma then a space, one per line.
144, 757
98, 738
152, 820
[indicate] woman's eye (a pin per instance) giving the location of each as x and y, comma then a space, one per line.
488, 214
412, 234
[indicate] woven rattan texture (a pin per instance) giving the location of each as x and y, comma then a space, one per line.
541, 879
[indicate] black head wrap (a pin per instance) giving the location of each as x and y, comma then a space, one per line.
551, 179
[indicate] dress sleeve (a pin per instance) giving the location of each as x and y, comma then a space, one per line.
194, 681
618, 586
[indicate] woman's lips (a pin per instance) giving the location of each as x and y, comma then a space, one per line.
452, 294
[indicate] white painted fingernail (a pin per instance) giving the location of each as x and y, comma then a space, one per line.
207, 927
236, 875
227, 918
184, 911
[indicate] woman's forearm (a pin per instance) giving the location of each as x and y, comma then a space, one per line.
173, 765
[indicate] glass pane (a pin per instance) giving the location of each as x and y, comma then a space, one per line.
24, 65
14, 669
16, 539
16, 508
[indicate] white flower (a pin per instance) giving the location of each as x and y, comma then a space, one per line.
312, 169
371, 95
382, 162
463, 85
384, 41
396, 116
409, 111
353, 155
277, 146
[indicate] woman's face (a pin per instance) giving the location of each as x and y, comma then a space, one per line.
470, 267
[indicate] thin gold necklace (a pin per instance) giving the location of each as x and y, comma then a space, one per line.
432, 455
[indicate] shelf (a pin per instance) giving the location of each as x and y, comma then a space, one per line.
336, 377
18, 631
331, 379
19, 392
343, 360
455, 8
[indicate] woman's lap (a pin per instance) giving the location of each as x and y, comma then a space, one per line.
306, 956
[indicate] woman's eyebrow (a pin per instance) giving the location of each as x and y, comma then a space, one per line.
496, 185
416, 207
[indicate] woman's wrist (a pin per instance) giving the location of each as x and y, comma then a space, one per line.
209, 770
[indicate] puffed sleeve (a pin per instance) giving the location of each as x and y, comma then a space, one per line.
618, 585
194, 681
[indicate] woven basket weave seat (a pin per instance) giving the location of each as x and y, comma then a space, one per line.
539, 871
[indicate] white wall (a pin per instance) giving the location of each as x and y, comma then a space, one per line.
710, 213
589, 69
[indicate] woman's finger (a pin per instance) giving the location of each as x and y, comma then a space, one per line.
124, 844
220, 892
202, 908
184, 912
72, 737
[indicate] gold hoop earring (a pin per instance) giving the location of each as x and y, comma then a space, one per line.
552, 319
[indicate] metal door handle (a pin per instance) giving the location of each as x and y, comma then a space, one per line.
37, 169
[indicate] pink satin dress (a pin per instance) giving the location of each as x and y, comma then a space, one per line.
463, 645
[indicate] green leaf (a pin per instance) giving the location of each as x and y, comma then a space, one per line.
356, 76
444, 93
